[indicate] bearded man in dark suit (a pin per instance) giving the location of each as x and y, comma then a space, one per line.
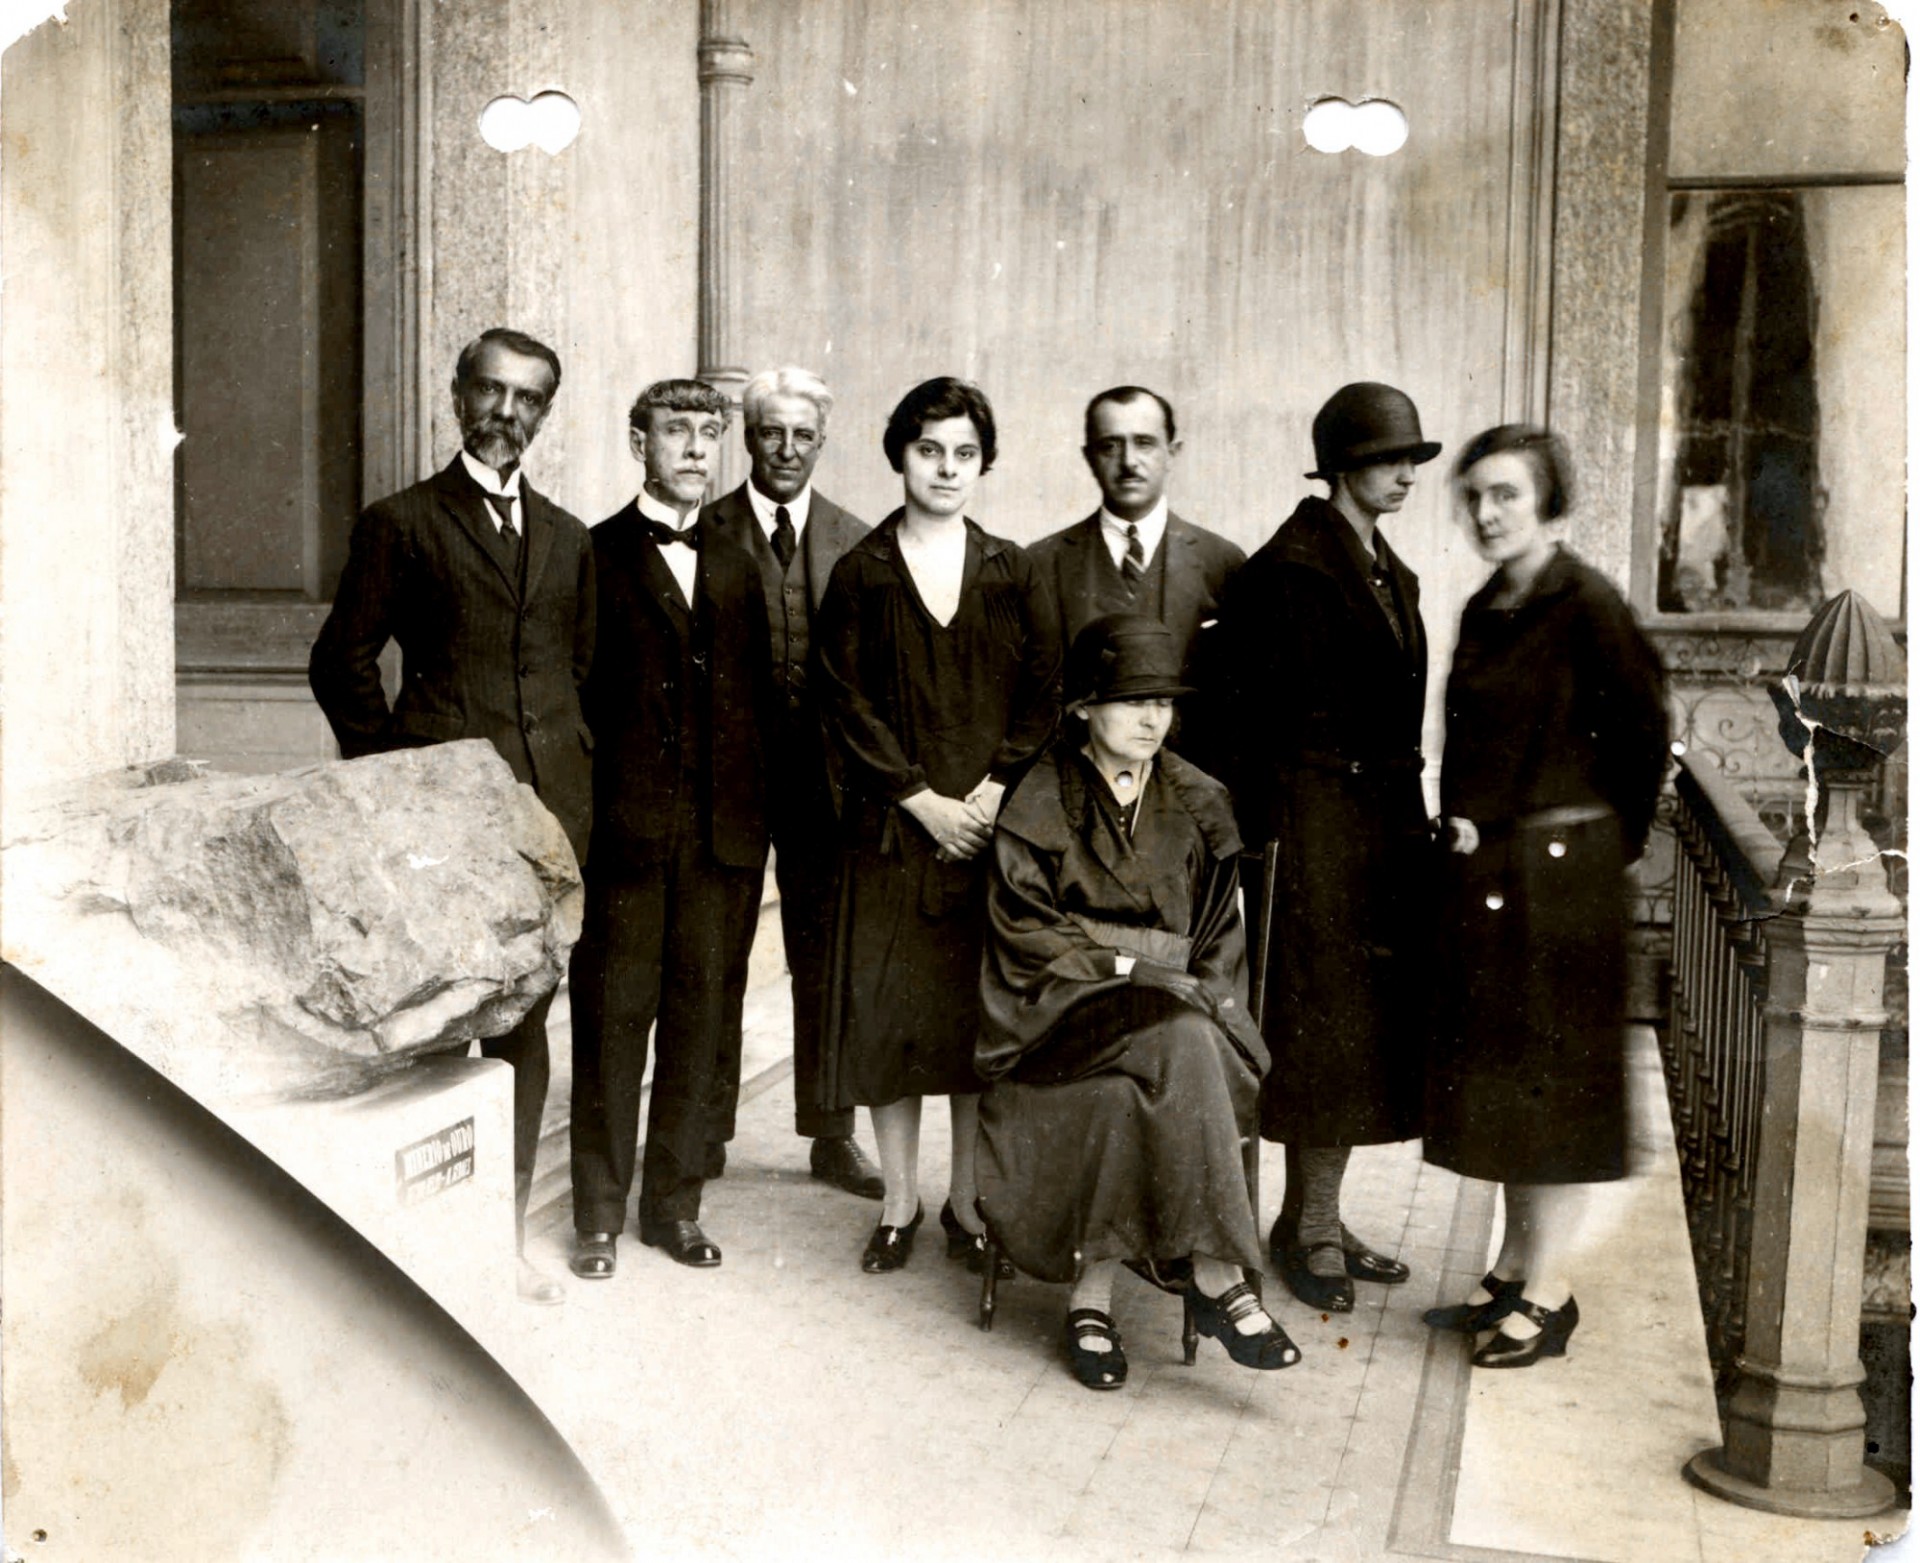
680, 693
796, 534
1133, 555
488, 589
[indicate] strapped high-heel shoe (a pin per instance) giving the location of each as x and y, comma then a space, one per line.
1220, 1316
1469, 1317
1503, 1351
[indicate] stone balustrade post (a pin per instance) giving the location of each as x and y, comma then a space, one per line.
1795, 1423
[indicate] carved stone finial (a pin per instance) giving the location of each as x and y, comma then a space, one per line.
1847, 677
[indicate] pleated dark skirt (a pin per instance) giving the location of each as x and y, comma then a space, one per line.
903, 987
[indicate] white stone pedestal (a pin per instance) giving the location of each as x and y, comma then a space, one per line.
422, 1167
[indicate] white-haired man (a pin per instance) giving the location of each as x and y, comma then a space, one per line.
796, 535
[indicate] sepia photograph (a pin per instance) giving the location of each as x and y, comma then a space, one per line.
1294, 609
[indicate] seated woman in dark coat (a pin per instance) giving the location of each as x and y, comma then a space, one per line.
1556, 743
1125, 1066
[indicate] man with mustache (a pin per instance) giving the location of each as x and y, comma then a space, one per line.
1133, 555
1314, 689
680, 693
796, 534
488, 589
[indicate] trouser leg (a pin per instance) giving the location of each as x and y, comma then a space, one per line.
805, 865
524, 1049
709, 916
616, 994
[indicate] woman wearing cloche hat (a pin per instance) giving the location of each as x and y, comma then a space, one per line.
1314, 686
1114, 1027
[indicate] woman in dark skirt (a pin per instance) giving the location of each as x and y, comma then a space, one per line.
1126, 1068
937, 657
1556, 744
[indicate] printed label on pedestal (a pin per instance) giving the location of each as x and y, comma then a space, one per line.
433, 1165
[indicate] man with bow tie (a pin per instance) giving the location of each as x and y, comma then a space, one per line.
488, 589
680, 691
796, 535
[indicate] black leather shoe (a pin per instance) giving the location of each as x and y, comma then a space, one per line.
1095, 1369
1363, 1263
1503, 1351
889, 1247
683, 1242
841, 1162
593, 1258
1367, 1264
970, 1246
1328, 1293
1471, 1318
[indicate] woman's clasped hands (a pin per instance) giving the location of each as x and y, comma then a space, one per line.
960, 827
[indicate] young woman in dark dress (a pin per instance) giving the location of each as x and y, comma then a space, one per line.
938, 657
1125, 1066
1556, 745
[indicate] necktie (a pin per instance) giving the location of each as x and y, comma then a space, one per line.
663, 534
1135, 564
503, 507
783, 536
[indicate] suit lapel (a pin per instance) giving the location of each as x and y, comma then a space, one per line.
1340, 563
1180, 577
460, 497
824, 546
539, 534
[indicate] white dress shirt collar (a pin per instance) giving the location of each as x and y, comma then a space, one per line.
682, 562
489, 480
798, 509
1153, 526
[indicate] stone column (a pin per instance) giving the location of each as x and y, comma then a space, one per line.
725, 72
86, 396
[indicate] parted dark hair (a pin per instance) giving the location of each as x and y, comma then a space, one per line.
1130, 393
514, 342
675, 396
931, 401
1543, 450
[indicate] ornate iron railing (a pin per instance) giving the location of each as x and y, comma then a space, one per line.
1714, 1046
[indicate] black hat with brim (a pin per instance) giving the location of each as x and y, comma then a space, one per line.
1364, 425
1123, 656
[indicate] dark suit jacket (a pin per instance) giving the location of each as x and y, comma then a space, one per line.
804, 802
830, 532
633, 698
426, 569
1198, 563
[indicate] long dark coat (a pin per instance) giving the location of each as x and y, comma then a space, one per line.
1556, 744
1311, 711
486, 651
1112, 1129
911, 704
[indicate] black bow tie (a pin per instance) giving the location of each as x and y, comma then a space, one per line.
663, 534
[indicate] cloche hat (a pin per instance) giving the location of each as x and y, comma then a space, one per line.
1123, 656
1364, 423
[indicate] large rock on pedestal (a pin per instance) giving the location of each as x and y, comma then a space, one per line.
297, 934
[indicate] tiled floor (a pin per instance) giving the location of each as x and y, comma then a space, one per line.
787, 1405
